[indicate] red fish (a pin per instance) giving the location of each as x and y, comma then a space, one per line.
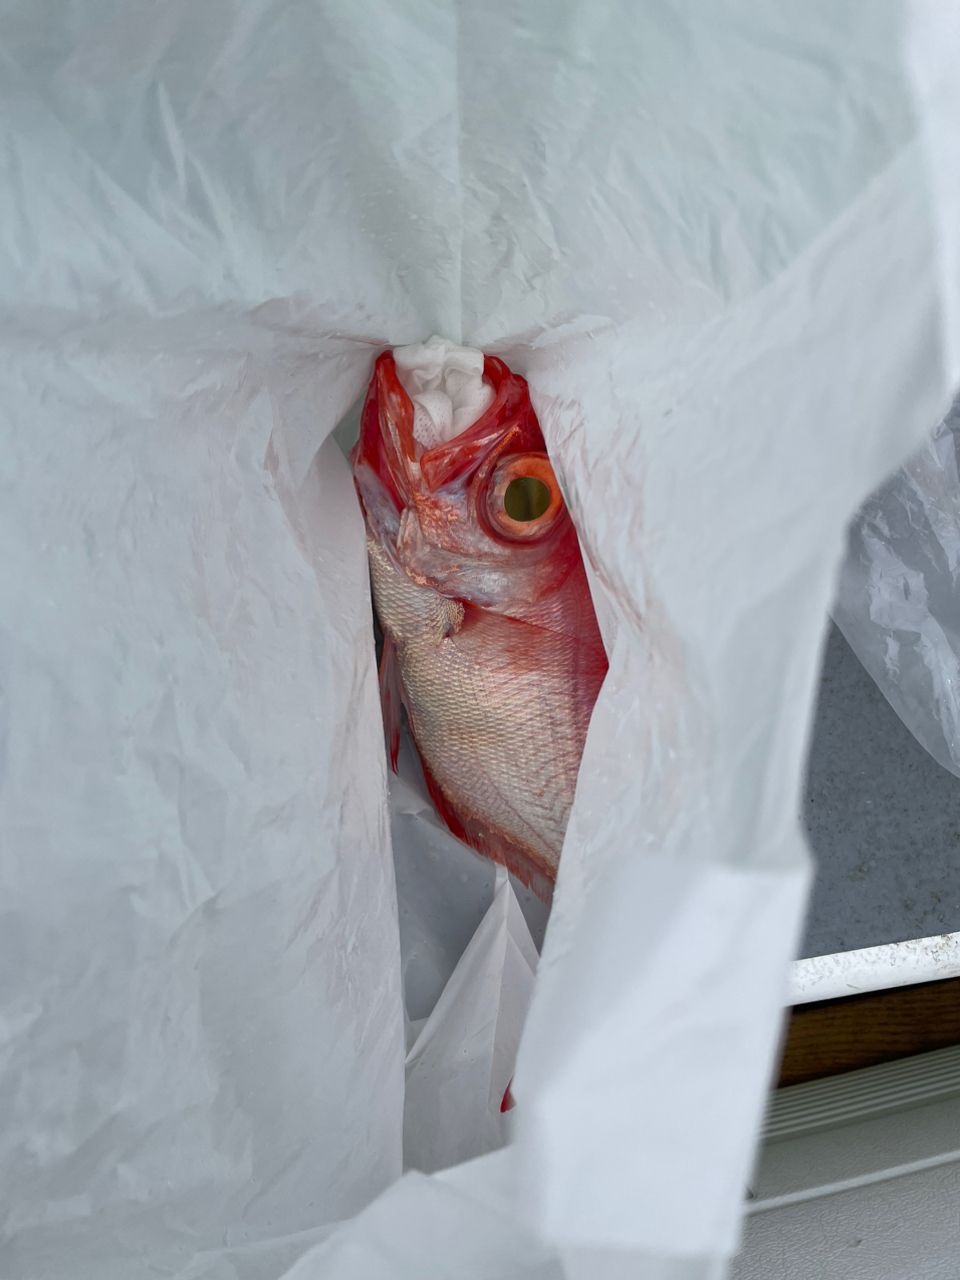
491, 642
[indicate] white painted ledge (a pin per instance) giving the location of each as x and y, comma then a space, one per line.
896, 964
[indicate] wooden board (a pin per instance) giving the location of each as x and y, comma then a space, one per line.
860, 1031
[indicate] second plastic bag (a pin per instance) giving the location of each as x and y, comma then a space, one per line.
898, 597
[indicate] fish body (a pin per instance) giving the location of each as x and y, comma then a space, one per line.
491, 642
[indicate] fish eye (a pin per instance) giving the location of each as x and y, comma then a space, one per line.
526, 498
523, 498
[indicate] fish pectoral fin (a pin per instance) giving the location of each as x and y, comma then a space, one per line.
451, 618
390, 698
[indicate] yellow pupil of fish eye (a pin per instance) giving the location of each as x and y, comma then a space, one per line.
526, 498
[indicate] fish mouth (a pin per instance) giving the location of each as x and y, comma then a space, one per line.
387, 444
462, 455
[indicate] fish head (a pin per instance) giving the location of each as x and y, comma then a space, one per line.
480, 518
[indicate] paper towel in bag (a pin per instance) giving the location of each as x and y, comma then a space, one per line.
711, 241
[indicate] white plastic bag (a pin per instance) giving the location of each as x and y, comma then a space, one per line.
716, 243
898, 597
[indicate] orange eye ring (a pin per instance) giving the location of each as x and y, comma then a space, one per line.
524, 496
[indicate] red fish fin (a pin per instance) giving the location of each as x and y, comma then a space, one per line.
507, 1104
390, 698
442, 806
517, 861
521, 865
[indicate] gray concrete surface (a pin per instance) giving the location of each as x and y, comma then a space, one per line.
903, 1228
883, 820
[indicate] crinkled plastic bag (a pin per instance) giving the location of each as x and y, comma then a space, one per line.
720, 245
898, 597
